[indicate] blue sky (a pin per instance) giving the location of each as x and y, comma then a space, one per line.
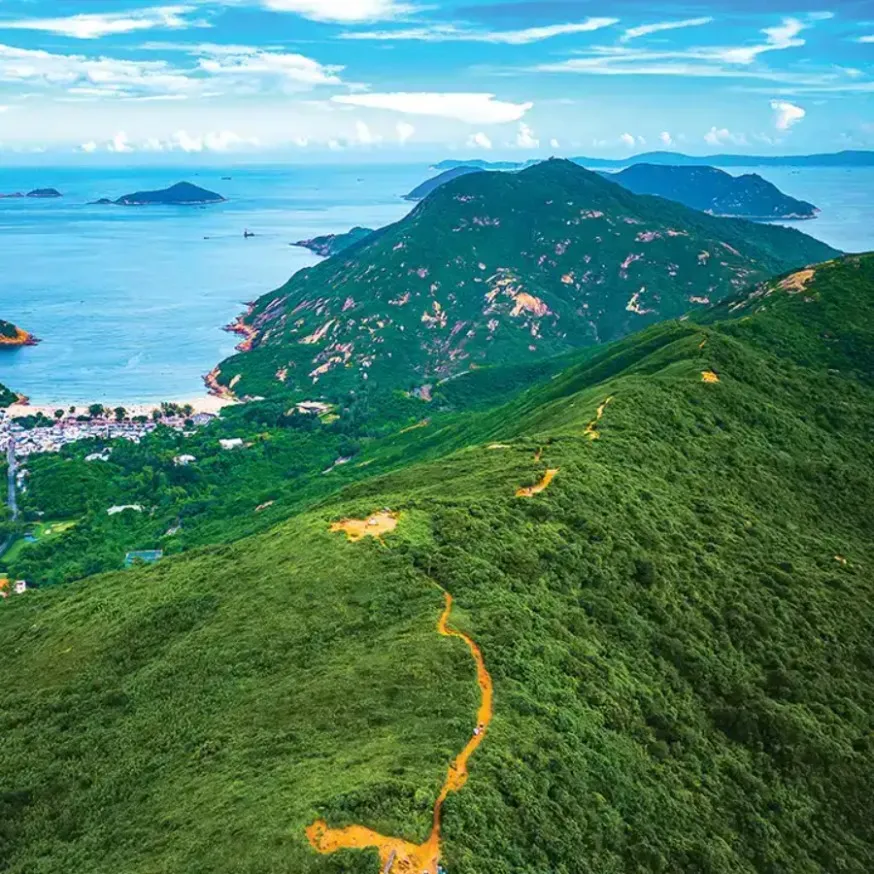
391, 79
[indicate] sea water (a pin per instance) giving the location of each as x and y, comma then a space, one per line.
130, 301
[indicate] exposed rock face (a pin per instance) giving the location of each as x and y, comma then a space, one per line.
11, 335
496, 268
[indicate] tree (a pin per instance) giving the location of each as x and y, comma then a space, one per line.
95, 410
120, 413
188, 410
59, 414
157, 415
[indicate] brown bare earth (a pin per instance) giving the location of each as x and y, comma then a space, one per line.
373, 526
798, 281
709, 376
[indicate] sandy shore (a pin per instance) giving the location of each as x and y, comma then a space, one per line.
200, 404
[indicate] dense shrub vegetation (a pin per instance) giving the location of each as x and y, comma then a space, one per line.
679, 630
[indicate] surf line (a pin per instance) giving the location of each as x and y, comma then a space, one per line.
395, 854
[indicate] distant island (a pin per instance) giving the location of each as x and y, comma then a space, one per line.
180, 194
831, 159
714, 191
333, 244
44, 193
12, 335
429, 185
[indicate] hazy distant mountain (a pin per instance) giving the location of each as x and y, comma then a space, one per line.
420, 192
834, 159
714, 191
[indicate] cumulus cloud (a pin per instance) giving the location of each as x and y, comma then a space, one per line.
867, 39
364, 135
525, 138
628, 140
647, 29
479, 141
554, 144
343, 11
405, 132
180, 141
720, 136
88, 147
666, 138
97, 25
786, 114
119, 143
452, 33
470, 108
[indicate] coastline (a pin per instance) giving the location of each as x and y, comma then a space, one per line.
209, 404
21, 338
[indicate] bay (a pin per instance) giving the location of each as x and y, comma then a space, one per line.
129, 302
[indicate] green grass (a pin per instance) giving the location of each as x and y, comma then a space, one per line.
679, 631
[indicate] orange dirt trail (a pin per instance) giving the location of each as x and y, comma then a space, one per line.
592, 428
542, 486
395, 854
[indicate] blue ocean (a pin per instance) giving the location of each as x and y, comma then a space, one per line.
130, 302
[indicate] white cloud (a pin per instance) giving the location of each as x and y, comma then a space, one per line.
628, 140
720, 136
866, 39
525, 138
88, 147
289, 69
479, 141
646, 29
97, 25
335, 146
343, 11
119, 143
783, 36
470, 108
737, 61
786, 114
452, 33
666, 138
405, 132
554, 144
364, 135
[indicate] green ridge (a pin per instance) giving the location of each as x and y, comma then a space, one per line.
679, 631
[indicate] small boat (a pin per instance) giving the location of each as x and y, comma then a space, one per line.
247, 233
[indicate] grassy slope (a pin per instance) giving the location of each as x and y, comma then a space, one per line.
684, 671
501, 269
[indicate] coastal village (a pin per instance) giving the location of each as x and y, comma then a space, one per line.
70, 428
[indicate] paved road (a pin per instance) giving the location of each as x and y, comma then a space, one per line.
12, 497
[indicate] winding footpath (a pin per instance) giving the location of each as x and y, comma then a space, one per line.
397, 855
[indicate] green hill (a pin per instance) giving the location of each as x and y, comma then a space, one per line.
333, 244
678, 629
714, 191
500, 269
